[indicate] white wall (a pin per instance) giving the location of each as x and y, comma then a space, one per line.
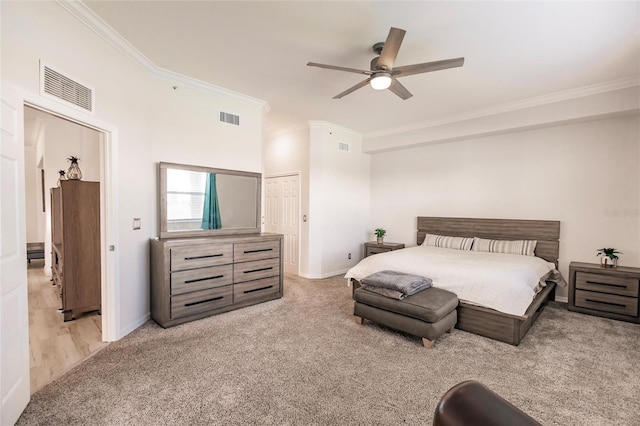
334, 193
33, 196
587, 175
61, 139
288, 153
339, 198
153, 123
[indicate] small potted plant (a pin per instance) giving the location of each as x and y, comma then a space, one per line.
380, 234
609, 257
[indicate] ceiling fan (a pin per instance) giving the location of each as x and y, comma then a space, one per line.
383, 75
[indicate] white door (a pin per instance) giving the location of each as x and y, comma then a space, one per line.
14, 317
282, 201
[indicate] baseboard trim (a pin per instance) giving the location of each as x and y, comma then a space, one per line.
323, 276
128, 329
562, 299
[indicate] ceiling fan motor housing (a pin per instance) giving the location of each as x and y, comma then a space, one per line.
374, 64
377, 48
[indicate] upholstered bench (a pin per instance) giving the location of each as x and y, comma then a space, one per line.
427, 314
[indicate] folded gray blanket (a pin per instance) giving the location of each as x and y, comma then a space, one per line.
396, 285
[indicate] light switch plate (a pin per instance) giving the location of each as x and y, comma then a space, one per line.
136, 223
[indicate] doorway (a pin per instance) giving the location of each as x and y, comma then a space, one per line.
56, 345
282, 204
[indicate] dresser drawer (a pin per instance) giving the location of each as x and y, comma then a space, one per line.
200, 279
607, 302
201, 301
607, 284
254, 291
243, 252
248, 271
201, 256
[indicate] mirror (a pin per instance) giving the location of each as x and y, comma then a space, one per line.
203, 201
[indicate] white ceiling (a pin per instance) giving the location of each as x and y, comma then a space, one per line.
513, 51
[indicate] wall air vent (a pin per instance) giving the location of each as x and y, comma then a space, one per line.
343, 146
61, 87
225, 117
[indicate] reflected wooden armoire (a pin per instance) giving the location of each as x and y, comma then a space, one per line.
75, 245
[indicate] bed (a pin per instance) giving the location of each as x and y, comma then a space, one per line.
482, 320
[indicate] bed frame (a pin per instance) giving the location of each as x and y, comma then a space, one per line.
489, 322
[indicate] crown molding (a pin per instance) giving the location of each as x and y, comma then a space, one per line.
289, 129
315, 124
332, 126
84, 14
610, 86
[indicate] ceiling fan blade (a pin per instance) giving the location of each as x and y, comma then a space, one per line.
337, 68
391, 48
427, 67
352, 89
399, 89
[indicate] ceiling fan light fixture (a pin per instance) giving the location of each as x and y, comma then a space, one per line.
380, 81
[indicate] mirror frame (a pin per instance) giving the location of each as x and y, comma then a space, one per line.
162, 202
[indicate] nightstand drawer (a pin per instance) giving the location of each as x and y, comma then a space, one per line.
607, 302
607, 284
376, 250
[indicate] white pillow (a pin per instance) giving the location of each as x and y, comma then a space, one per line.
459, 243
524, 247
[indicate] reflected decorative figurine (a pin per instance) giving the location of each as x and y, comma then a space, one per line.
74, 172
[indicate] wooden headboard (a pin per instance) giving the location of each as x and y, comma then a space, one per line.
546, 232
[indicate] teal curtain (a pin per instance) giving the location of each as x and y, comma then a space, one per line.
211, 211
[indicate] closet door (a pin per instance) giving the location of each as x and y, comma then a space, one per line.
282, 202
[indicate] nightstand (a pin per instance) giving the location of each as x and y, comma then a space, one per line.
374, 248
606, 292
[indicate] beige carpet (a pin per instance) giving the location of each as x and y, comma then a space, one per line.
302, 360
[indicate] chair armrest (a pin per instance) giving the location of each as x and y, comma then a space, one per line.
471, 403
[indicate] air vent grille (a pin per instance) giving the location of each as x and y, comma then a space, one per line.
343, 146
225, 117
62, 87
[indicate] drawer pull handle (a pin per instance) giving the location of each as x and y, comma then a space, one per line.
609, 284
203, 279
258, 270
204, 256
606, 303
258, 289
203, 301
257, 250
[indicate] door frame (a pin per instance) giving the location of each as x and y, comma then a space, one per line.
299, 176
110, 284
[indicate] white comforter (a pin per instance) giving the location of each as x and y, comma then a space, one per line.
504, 282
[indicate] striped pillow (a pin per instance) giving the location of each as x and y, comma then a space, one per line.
460, 243
524, 247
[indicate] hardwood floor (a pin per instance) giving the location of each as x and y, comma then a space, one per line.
56, 346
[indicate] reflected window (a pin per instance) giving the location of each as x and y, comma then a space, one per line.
185, 198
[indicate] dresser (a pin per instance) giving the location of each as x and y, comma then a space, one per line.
193, 278
374, 248
75, 245
606, 292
